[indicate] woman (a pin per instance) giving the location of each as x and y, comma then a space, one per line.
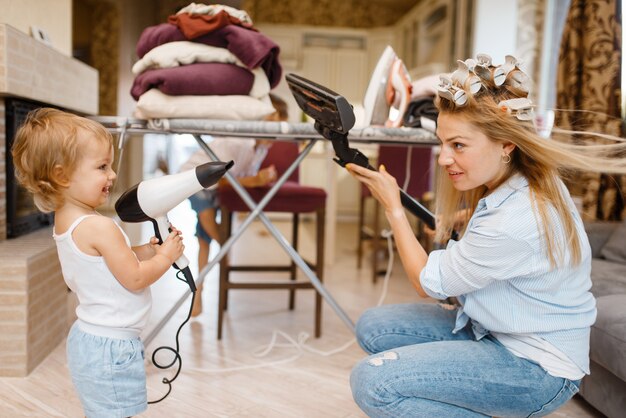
518, 344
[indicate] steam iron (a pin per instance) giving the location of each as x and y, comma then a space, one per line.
388, 93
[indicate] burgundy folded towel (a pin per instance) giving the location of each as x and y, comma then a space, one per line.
194, 25
253, 48
200, 79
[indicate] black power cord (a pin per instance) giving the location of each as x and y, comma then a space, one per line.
175, 351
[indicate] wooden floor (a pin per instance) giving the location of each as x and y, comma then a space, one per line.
226, 379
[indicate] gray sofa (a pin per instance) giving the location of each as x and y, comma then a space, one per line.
605, 387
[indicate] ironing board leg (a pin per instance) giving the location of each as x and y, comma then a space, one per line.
256, 211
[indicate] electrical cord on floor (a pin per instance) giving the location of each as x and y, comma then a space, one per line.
300, 343
175, 351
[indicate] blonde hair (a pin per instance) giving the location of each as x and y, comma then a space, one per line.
47, 139
541, 161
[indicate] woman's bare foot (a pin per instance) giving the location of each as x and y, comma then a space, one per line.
197, 303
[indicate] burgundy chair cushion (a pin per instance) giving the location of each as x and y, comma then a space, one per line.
291, 197
281, 154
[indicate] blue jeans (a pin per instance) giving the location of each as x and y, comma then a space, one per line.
418, 368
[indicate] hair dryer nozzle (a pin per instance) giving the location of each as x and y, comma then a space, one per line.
210, 173
128, 208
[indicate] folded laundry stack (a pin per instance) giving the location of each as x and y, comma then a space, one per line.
207, 62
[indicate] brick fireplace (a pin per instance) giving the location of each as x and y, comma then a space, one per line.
33, 297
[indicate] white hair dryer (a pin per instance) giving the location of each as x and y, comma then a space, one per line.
151, 199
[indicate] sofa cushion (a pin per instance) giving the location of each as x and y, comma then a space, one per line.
615, 247
599, 233
604, 391
608, 335
607, 278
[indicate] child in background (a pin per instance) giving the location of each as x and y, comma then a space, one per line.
66, 162
248, 154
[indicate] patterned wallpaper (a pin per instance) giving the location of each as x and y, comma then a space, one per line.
589, 87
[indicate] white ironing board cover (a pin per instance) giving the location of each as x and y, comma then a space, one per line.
263, 129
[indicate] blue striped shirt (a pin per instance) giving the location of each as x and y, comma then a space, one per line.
500, 272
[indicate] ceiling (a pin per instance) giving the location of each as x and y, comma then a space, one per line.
399, 5
363, 14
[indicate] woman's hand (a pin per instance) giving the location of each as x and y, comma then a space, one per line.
385, 189
263, 177
381, 184
267, 175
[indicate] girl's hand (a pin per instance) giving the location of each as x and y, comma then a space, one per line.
381, 184
146, 251
153, 244
172, 247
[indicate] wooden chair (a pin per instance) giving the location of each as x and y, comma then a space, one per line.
394, 157
292, 197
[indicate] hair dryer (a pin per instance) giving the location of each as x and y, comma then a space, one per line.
151, 199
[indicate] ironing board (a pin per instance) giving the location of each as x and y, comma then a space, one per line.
268, 130
262, 129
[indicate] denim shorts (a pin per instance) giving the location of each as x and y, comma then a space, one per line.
203, 200
108, 374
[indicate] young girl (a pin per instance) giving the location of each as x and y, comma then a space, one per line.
66, 162
518, 345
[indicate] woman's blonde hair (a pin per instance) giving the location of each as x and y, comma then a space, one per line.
48, 139
540, 160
